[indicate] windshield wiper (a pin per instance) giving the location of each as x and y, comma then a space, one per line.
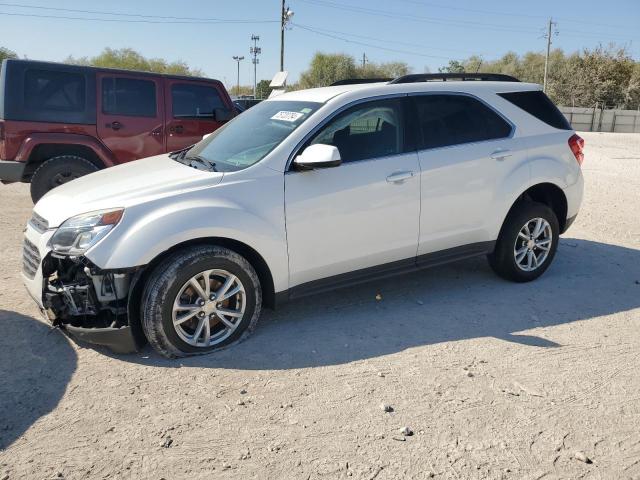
207, 163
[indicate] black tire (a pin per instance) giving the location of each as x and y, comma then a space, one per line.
168, 279
503, 259
57, 171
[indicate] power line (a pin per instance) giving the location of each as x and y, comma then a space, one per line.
162, 19
356, 42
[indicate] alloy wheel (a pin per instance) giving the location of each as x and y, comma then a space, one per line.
533, 244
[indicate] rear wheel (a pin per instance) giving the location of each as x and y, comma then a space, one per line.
527, 243
57, 171
199, 300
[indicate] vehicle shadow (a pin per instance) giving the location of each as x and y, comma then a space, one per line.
36, 364
455, 302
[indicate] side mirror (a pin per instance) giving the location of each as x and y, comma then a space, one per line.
318, 156
222, 114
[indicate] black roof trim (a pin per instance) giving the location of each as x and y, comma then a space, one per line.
357, 81
443, 77
75, 67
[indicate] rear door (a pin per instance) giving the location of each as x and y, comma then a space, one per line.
190, 111
131, 115
466, 150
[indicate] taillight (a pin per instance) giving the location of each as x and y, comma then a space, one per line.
1, 131
576, 144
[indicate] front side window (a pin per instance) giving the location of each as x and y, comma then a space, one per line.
195, 101
249, 137
128, 96
368, 130
46, 90
446, 120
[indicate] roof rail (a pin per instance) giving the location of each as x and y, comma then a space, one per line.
356, 81
443, 77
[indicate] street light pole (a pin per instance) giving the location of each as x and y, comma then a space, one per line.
238, 60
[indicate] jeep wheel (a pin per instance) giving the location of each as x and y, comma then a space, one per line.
56, 171
199, 300
527, 243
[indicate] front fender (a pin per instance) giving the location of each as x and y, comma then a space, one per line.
142, 236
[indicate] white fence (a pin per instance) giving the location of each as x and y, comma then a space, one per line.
598, 120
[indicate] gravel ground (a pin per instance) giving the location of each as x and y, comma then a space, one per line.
495, 380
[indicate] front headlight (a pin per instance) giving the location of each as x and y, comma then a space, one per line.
76, 235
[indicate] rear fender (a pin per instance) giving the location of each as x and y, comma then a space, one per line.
35, 139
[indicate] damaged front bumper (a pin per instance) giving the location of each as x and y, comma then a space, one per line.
89, 304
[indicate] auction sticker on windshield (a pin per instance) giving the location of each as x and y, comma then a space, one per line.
287, 116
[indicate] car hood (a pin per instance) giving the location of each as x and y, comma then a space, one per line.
123, 186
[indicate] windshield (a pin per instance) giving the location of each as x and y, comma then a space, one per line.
249, 137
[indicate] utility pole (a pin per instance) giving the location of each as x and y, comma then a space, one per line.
255, 51
285, 17
546, 58
364, 60
238, 60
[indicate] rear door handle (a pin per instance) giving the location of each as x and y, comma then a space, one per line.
399, 177
500, 154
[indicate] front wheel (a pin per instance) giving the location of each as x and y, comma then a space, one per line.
199, 300
527, 243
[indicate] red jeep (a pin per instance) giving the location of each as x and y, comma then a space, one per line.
59, 122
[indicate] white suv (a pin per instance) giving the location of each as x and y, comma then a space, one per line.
309, 191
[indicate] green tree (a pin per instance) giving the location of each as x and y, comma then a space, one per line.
454, 66
326, 69
263, 90
6, 53
129, 59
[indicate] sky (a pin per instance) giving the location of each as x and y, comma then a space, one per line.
426, 34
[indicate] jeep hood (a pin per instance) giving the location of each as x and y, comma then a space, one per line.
123, 186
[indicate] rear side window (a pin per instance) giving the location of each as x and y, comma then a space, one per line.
128, 96
54, 91
536, 103
369, 130
446, 120
195, 101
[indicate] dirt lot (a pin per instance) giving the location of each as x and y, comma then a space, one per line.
497, 380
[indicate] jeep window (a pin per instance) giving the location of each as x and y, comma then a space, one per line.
368, 130
249, 137
128, 96
536, 103
446, 120
54, 91
195, 101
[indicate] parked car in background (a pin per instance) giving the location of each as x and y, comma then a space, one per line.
59, 122
246, 102
307, 192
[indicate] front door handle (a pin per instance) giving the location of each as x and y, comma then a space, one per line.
177, 129
399, 177
500, 154
115, 125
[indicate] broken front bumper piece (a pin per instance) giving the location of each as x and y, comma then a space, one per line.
89, 304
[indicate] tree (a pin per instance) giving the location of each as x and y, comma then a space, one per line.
326, 69
263, 90
129, 59
6, 53
605, 75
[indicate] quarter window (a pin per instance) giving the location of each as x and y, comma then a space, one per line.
369, 130
456, 119
47, 90
195, 101
128, 96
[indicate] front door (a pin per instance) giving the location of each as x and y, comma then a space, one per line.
130, 115
190, 111
363, 213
